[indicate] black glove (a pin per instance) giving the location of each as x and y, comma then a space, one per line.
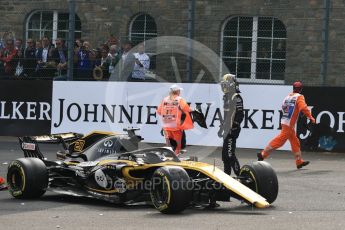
199, 117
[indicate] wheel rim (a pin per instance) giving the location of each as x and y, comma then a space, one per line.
161, 192
16, 181
249, 180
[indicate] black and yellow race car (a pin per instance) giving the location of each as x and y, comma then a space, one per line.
110, 167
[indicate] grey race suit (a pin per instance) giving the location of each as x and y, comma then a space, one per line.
231, 133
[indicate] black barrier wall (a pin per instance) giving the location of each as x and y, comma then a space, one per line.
25, 107
328, 108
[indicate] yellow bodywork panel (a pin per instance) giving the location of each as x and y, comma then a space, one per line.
209, 170
228, 182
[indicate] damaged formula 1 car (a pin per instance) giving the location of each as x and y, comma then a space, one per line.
110, 167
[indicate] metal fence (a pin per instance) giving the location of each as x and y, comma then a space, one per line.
276, 42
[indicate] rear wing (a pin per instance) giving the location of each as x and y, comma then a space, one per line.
29, 144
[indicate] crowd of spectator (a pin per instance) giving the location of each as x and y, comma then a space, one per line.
44, 59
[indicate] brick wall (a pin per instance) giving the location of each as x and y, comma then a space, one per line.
302, 18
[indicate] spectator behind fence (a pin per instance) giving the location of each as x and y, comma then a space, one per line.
2, 46
38, 46
103, 62
127, 61
85, 60
112, 40
45, 67
59, 56
8, 58
101, 47
114, 58
142, 64
78, 43
29, 59
20, 54
19, 44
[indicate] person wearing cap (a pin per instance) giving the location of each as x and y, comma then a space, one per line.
175, 115
293, 104
230, 128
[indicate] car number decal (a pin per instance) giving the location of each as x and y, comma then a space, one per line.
100, 178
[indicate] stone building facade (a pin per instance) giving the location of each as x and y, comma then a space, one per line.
304, 22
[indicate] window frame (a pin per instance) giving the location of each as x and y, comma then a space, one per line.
130, 34
150, 53
254, 44
54, 26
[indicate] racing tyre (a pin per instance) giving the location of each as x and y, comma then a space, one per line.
261, 178
27, 178
171, 190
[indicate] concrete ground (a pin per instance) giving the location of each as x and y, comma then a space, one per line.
310, 198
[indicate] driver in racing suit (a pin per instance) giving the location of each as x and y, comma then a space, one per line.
175, 113
230, 129
293, 104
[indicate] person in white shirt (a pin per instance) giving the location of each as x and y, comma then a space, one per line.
142, 63
114, 57
127, 62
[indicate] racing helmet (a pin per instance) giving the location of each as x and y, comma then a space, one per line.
229, 81
297, 86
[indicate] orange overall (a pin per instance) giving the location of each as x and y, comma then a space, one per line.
293, 104
171, 109
2, 183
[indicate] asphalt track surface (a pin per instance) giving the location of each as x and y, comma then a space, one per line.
311, 198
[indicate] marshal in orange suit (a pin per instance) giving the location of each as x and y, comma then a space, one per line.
293, 104
175, 113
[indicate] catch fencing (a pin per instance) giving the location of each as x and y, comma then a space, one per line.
270, 42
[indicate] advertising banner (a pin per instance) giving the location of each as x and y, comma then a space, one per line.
44, 107
328, 109
25, 107
113, 106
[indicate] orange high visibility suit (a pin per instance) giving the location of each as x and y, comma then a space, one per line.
293, 104
175, 118
2, 184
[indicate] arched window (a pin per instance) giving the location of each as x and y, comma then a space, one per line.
143, 27
254, 48
52, 24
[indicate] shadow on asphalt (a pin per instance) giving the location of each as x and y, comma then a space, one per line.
304, 172
54, 201
239, 210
